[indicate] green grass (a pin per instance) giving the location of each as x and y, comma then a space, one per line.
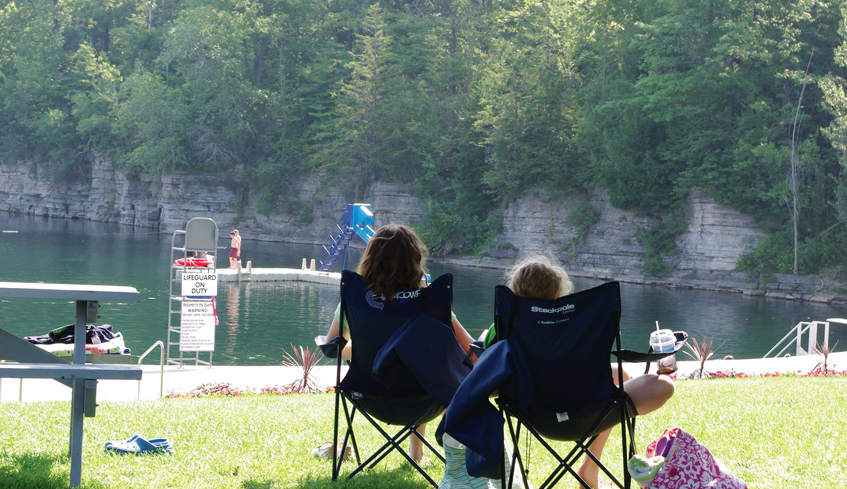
784, 432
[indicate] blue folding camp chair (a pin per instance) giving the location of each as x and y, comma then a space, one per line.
405, 367
551, 364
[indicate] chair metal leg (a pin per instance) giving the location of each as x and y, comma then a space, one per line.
565, 464
515, 436
350, 433
429, 445
392, 442
336, 465
514, 433
385, 449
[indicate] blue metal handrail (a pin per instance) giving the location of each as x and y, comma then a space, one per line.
357, 219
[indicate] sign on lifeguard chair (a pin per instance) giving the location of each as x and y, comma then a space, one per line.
197, 316
200, 284
198, 326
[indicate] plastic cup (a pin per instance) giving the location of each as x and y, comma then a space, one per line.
662, 341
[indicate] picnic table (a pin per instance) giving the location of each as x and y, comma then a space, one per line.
82, 378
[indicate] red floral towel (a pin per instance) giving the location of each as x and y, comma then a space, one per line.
690, 465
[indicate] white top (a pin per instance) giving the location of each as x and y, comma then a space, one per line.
72, 292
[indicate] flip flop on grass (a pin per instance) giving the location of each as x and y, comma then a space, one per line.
138, 445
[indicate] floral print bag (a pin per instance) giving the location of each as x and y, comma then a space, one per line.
689, 464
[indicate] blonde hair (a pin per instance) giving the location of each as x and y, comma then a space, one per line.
539, 277
393, 260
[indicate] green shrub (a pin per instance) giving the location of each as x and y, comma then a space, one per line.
658, 243
775, 254
582, 217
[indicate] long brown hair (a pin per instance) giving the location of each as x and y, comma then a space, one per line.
393, 260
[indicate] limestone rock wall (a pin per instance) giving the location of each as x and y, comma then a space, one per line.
716, 236
166, 203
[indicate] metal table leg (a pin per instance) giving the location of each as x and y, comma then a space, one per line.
78, 396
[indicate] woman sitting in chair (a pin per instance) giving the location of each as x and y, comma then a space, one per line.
541, 278
394, 261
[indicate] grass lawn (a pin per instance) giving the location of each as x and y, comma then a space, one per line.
784, 432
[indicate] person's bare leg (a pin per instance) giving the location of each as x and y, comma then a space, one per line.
648, 393
416, 445
589, 471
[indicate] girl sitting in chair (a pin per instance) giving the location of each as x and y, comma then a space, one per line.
394, 261
540, 277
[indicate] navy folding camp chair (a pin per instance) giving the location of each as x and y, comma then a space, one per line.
551, 365
567, 343
405, 367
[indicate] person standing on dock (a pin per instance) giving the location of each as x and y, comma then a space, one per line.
235, 249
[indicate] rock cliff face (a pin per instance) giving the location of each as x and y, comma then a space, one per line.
604, 247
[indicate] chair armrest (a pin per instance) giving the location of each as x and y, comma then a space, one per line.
631, 356
332, 347
478, 348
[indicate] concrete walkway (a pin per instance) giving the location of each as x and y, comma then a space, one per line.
175, 379
188, 378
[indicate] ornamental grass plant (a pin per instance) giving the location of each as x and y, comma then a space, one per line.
774, 432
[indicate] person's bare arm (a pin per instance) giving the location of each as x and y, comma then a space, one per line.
465, 339
347, 352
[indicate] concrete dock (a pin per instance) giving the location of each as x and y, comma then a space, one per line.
250, 274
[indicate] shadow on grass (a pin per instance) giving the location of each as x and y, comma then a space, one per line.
398, 478
37, 471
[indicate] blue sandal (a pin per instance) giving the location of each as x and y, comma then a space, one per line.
138, 445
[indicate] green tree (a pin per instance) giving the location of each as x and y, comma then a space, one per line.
207, 50
527, 108
835, 98
34, 81
152, 118
358, 125
97, 97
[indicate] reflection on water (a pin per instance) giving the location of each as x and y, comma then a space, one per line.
230, 324
259, 320
750, 326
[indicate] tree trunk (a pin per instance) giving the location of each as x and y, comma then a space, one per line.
793, 177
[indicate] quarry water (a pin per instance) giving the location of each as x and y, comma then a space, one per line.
259, 320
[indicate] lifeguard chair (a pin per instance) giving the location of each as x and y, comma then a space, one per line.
193, 250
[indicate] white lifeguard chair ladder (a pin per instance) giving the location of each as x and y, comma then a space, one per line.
199, 236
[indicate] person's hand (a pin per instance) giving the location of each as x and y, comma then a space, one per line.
238, 256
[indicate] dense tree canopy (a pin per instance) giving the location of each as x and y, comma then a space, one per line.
471, 101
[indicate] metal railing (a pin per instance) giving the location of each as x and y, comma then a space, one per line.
795, 337
161, 345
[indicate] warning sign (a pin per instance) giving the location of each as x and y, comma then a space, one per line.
199, 284
197, 325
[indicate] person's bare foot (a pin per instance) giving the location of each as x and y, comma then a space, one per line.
416, 451
589, 474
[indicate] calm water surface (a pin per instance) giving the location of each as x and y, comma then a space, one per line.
258, 320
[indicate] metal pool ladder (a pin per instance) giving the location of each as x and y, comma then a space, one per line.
795, 337
161, 345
